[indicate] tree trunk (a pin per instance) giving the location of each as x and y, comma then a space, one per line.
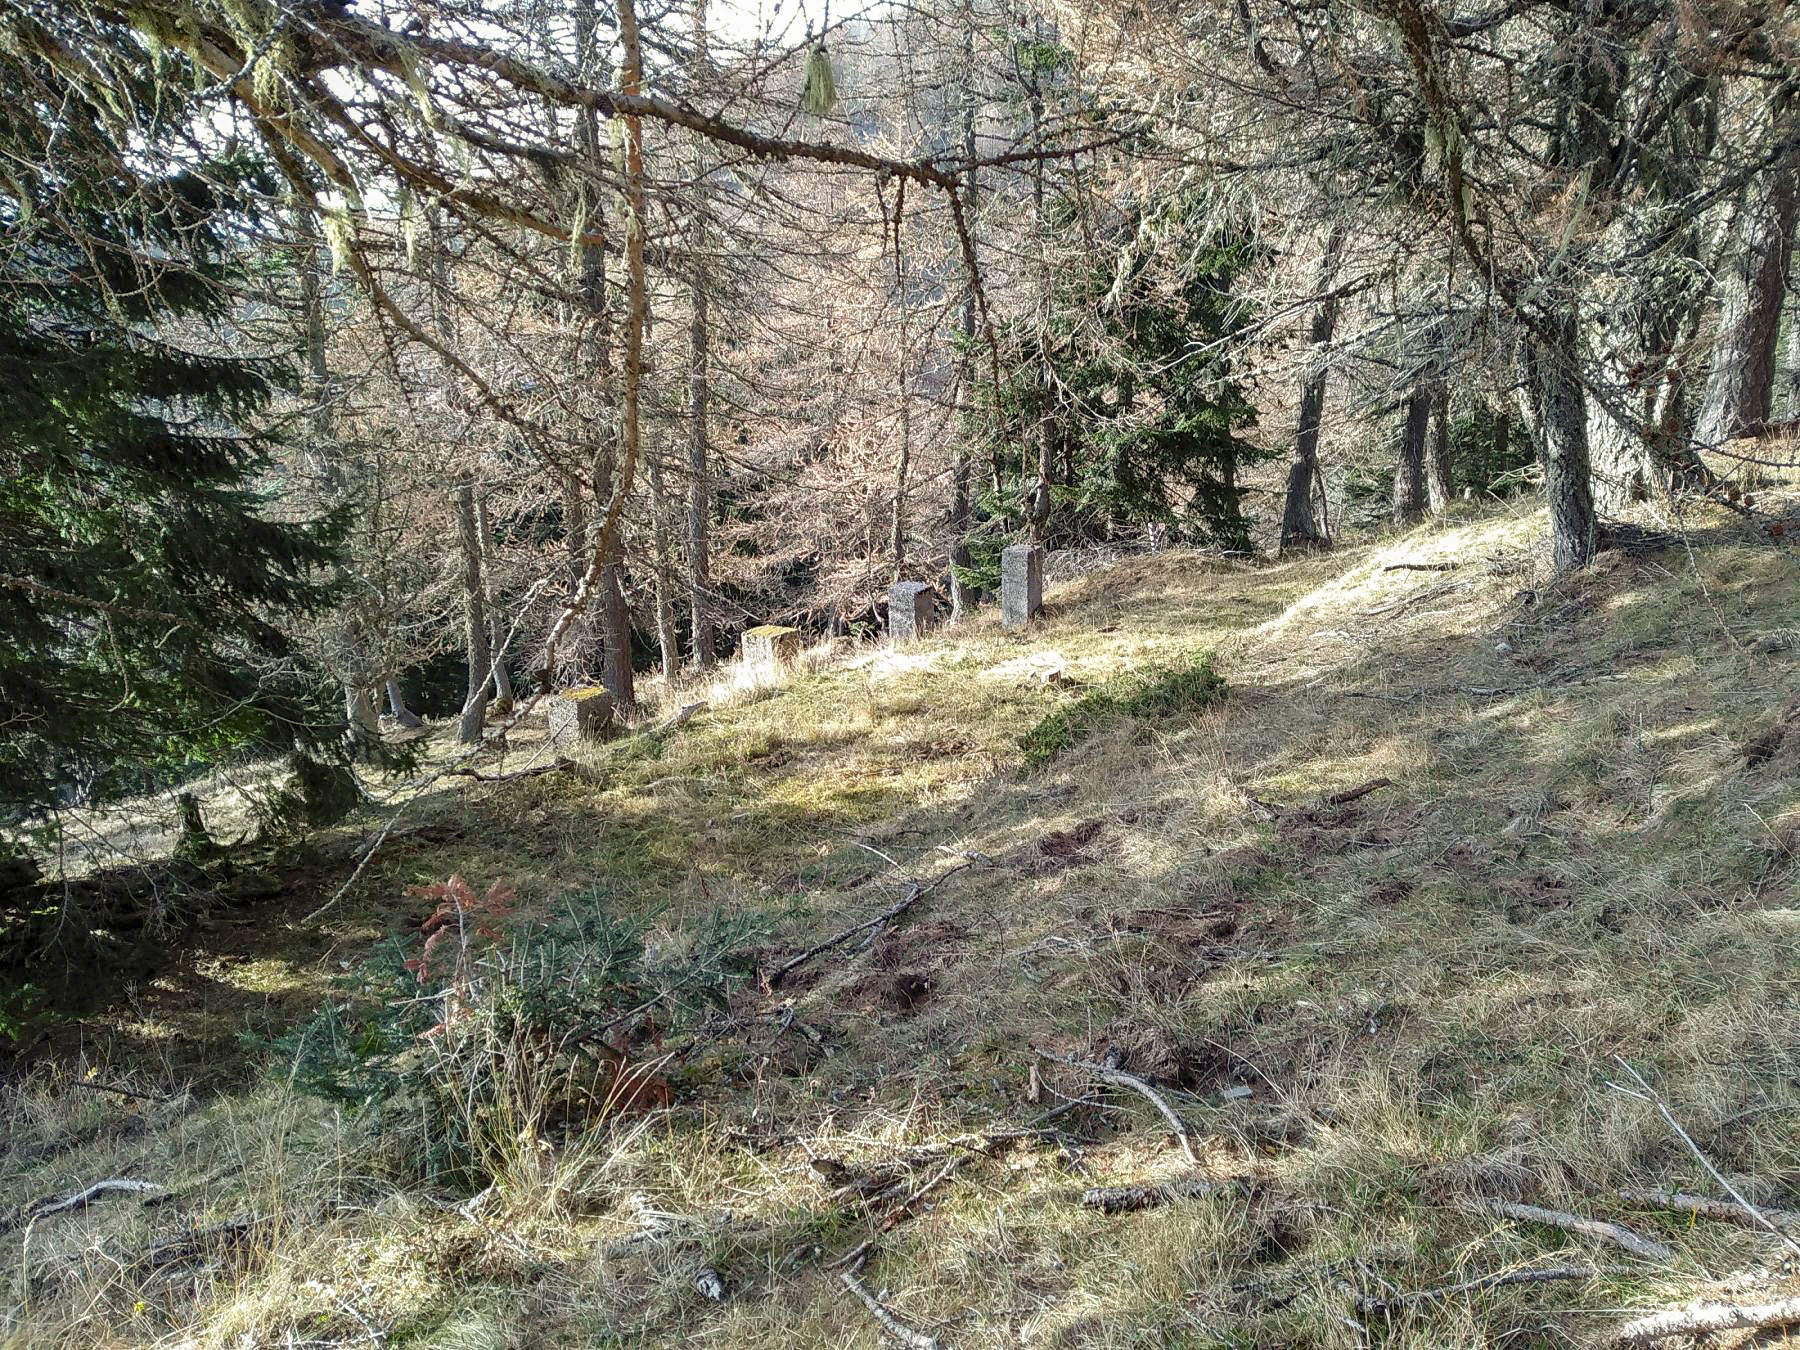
1559, 414
1409, 464
1299, 526
359, 712
699, 396
1740, 384
497, 626
960, 511
397, 709
475, 628
665, 573
903, 452
1438, 484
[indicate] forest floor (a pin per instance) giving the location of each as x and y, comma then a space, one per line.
1382, 1020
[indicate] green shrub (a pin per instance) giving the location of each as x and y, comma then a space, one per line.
487, 1031
1171, 692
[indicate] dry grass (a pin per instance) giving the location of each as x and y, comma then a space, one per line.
1423, 992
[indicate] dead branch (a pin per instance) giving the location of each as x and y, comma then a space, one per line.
1422, 567
119, 1088
81, 1199
1119, 1078
917, 892
1617, 1234
555, 767
680, 719
1705, 1207
1124, 1199
1706, 1162
916, 1340
1352, 794
1397, 1302
1702, 1317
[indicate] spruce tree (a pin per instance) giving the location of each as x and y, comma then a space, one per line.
144, 570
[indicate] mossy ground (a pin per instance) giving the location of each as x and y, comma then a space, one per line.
1585, 854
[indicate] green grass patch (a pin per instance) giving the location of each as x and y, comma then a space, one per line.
1187, 687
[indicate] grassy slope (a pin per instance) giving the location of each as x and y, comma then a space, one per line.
1423, 991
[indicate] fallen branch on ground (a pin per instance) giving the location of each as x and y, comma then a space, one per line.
1119, 1078
1617, 1234
680, 719
1703, 1317
1124, 1199
1706, 1162
1705, 1207
81, 1199
916, 1340
1362, 790
556, 766
119, 1088
1396, 1302
1422, 567
917, 892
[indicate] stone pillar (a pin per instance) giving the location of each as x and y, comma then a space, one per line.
771, 646
1021, 584
577, 715
911, 610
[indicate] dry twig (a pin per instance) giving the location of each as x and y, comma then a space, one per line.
1396, 1302
81, 1199
1119, 1078
1705, 1207
1617, 1234
915, 893
907, 1336
1362, 790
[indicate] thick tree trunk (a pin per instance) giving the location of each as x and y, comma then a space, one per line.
397, 709
475, 627
699, 398
1300, 527
1740, 385
1438, 484
359, 711
1409, 463
1559, 415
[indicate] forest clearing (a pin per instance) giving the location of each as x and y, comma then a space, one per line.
1371, 1018
948, 674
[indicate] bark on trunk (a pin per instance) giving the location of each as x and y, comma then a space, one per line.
1300, 527
1409, 464
1438, 484
1740, 384
360, 713
497, 626
665, 573
475, 627
960, 510
1559, 414
699, 398
397, 709
903, 452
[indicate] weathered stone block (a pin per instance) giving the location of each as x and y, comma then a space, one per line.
577, 715
771, 646
1021, 584
912, 610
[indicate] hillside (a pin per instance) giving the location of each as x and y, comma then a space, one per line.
1393, 927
